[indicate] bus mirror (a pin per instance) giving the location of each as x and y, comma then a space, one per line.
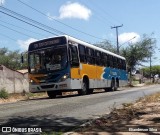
70, 55
22, 59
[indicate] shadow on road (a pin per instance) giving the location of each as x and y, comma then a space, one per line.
71, 95
48, 123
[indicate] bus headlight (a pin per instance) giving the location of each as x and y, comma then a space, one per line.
31, 81
64, 77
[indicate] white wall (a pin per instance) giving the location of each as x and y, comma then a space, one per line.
13, 81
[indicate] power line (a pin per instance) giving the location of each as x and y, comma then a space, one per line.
99, 16
8, 37
31, 20
58, 21
28, 23
104, 12
15, 30
22, 28
116, 27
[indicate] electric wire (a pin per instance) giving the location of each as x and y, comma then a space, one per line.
105, 12
59, 21
28, 23
31, 20
99, 17
8, 37
15, 30
21, 28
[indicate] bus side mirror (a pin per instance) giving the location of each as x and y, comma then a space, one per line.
70, 55
22, 59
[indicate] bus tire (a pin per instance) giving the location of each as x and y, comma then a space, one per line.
90, 91
113, 85
84, 89
51, 94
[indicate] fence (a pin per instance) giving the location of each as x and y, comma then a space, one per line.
13, 81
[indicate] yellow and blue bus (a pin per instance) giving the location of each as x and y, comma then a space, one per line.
65, 63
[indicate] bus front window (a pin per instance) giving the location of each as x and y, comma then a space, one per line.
48, 60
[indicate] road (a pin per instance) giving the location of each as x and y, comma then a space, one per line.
69, 110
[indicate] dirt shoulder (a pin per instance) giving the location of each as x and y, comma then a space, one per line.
140, 118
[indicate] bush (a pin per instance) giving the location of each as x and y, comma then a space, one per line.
3, 93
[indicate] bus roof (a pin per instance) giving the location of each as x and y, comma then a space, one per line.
69, 38
92, 46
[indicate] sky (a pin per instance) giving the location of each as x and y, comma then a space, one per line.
87, 20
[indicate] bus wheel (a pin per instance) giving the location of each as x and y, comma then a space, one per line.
51, 94
114, 85
90, 91
84, 89
112, 88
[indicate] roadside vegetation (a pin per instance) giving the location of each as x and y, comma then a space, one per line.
145, 112
4, 94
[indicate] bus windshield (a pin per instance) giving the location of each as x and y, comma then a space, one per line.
48, 60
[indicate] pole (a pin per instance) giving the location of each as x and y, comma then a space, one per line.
116, 27
150, 63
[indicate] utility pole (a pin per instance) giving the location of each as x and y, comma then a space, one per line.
117, 36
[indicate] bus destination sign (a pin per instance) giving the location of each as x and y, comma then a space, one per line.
47, 43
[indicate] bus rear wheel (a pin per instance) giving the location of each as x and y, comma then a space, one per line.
51, 94
114, 85
84, 89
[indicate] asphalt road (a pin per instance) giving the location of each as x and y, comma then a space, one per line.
63, 112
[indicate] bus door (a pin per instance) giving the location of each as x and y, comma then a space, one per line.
99, 69
75, 67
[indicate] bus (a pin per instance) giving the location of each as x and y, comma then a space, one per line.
64, 63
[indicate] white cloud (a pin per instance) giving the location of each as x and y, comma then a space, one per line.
73, 10
131, 37
25, 43
2, 2
50, 17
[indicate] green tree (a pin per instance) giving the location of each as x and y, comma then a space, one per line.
107, 45
154, 71
11, 59
139, 52
135, 54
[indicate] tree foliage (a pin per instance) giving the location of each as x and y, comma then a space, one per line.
136, 53
11, 59
107, 45
139, 52
154, 70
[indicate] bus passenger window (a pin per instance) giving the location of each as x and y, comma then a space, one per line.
90, 56
74, 56
82, 53
98, 58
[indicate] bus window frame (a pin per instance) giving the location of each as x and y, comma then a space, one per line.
72, 62
82, 55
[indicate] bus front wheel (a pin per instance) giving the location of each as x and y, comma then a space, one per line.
51, 94
84, 89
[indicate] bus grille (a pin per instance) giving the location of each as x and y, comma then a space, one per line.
47, 86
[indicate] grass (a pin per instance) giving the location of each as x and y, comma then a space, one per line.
122, 116
33, 95
4, 94
150, 98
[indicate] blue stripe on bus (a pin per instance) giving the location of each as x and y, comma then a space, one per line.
109, 73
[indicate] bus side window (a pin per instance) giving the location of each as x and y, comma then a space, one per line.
111, 60
82, 53
118, 63
74, 56
104, 59
98, 58
115, 64
108, 60
90, 56
124, 64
